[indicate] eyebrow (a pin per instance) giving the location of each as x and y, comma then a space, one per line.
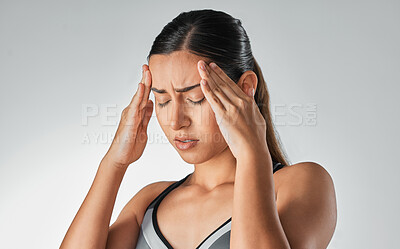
185, 89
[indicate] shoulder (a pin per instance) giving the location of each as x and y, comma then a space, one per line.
307, 168
142, 199
303, 177
302, 173
306, 197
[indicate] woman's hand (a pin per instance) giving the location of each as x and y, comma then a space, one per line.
131, 136
237, 113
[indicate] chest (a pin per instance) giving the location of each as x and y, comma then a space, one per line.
201, 220
186, 222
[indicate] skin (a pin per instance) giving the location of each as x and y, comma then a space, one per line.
210, 184
180, 116
215, 171
212, 181
302, 194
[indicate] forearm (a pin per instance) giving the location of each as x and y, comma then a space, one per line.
255, 219
89, 228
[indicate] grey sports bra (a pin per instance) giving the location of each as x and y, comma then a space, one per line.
150, 236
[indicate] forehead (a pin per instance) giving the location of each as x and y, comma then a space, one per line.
176, 70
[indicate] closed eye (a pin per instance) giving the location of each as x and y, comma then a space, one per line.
198, 102
193, 102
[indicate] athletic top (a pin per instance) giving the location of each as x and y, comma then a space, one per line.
150, 236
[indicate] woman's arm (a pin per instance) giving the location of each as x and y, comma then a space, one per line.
89, 228
304, 215
255, 220
306, 202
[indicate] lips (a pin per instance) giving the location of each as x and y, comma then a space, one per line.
185, 145
184, 138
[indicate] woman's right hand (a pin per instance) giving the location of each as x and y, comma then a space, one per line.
131, 136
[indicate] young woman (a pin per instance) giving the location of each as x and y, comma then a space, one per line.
236, 197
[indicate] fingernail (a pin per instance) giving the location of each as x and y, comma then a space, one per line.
213, 65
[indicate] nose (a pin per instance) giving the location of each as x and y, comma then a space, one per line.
180, 116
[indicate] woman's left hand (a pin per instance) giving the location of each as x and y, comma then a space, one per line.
237, 114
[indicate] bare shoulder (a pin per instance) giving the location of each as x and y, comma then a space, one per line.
309, 167
301, 173
142, 199
306, 198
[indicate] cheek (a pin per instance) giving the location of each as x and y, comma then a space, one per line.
162, 114
209, 128
161, 118
207, 117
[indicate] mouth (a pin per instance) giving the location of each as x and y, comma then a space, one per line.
185, 143
185, 139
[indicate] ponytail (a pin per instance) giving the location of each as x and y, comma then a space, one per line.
263, 102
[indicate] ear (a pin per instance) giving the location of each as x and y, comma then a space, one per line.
248, 80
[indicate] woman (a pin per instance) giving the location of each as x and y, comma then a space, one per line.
236, 197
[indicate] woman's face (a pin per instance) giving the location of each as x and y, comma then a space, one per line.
184, 113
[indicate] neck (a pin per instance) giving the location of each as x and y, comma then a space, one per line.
218, 170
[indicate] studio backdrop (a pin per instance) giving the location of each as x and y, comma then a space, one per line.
69, 68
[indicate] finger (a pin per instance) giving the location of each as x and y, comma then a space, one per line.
225, 78
147, 84
149, 112
216, 90
214, 101
135, 97
224, 86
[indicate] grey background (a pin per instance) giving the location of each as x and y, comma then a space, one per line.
58, 57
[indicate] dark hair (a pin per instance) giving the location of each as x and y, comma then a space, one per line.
218, 37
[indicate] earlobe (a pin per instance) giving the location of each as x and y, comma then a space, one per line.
253, 79
248, 80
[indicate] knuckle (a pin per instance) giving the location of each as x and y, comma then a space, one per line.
241, 103
222, 86
125, 110
128, 111
232, 109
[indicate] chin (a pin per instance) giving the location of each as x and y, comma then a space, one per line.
191, 160
201, 154
193, 157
